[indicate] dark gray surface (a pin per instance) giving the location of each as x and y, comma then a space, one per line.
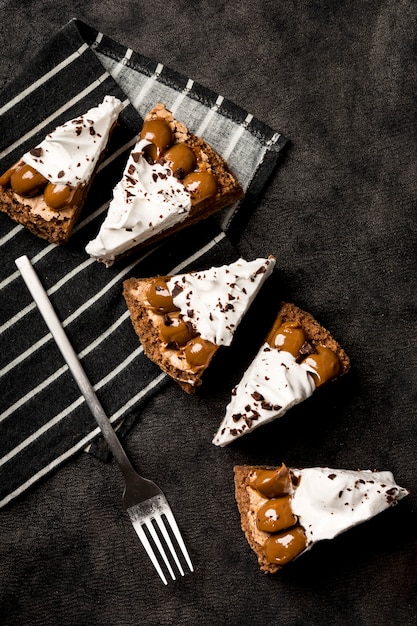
338, 79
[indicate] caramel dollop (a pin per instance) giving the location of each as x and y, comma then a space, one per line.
201, 185
174, 330
27, 182
325, 363
281, 548
58, 196
199, 351
273, 483
289, 337
159, 133
6, 176
159, 297
181, 159
275, 515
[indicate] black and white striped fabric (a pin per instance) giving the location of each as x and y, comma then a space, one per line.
43, 419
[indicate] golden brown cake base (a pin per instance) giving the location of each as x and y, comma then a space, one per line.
242, 478
35, 215
146, 324
314, 331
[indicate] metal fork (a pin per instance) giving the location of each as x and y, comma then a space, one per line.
147, 506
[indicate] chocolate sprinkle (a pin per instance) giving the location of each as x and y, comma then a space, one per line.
36, 152
176, 290
257, 396
306, 349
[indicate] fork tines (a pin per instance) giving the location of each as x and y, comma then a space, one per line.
156, 527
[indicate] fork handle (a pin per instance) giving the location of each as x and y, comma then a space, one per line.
47, 311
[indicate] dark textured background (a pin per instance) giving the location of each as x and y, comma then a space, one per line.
339, 80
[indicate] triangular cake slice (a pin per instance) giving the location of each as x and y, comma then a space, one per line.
182, 320
172, 179
285, 511
297, 356
46, 189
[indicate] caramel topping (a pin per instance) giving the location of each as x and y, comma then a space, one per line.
175, 330
273, 483
159, 297
281, 548
289, 337
326, 363
159, 134
181, 159
58, 196
275, 515
5, 178
201, 185
26, 181
199, 351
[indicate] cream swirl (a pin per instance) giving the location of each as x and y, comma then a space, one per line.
272, 384
69, 154
329, 501
147, 200
214, 301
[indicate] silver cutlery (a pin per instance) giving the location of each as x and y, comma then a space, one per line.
147, 506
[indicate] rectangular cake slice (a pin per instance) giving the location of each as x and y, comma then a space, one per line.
46, 189
172, 179
298, 356
183, 320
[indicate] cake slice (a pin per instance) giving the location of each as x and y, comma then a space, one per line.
182, 320
172, 179
285, 511
298, 356
46, 189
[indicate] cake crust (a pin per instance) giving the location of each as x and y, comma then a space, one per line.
242, 476
146, 325
35, 215
314, 331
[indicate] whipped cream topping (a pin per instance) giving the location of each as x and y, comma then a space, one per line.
214, 301
147, 200
272, 384
69, 154
330, 501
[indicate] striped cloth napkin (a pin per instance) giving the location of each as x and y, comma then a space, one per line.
43, 418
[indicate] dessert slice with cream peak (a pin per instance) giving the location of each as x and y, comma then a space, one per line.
172, 179
182, 320
285, 511
297, 356
46, 189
